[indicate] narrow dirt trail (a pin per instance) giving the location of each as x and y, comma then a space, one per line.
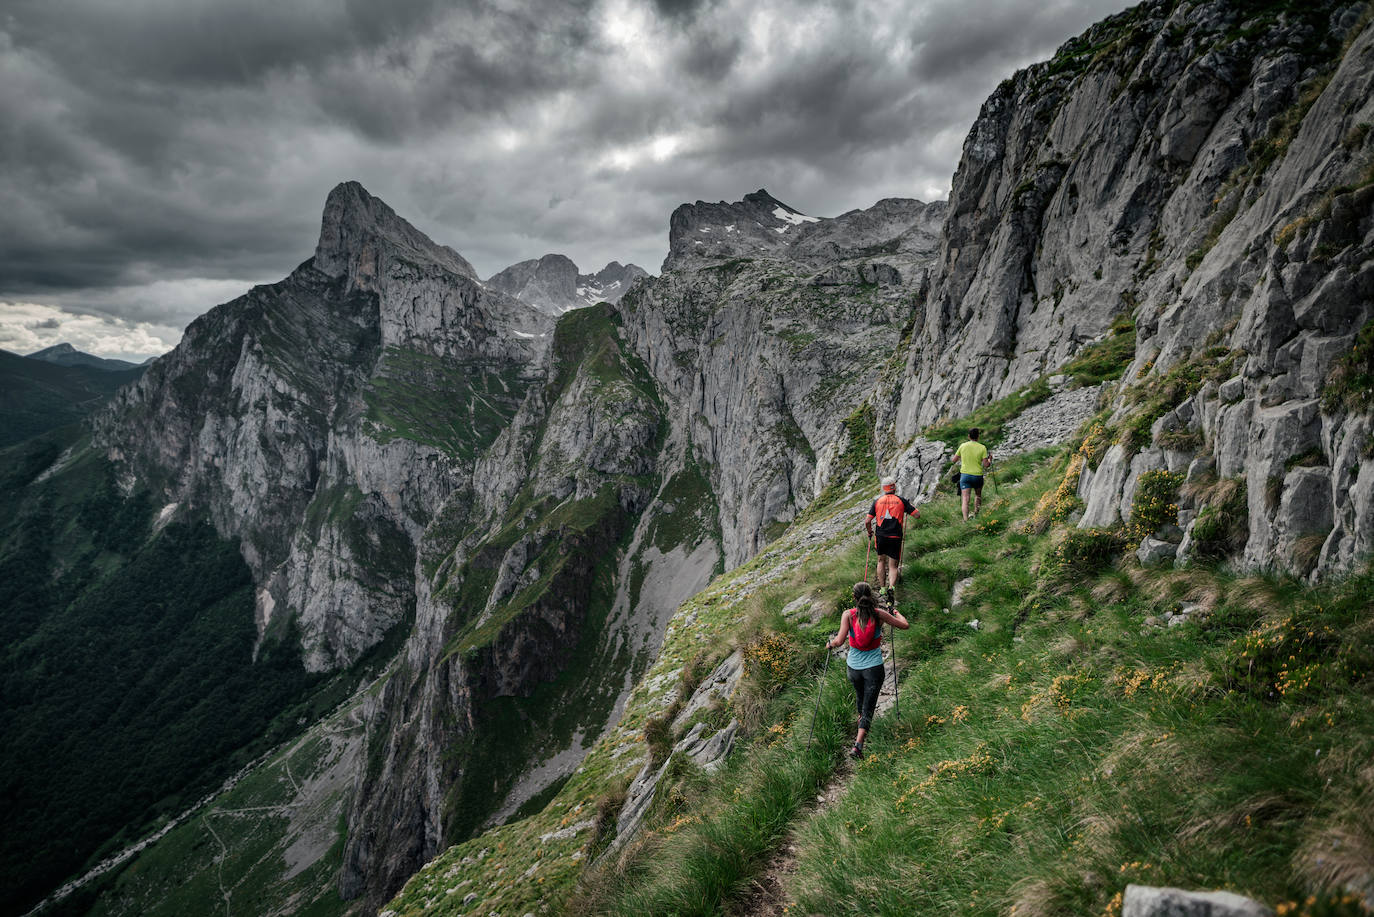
219, 864
770, 892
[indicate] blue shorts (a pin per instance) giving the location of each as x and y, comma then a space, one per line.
971, 482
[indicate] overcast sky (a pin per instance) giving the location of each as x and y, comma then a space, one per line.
158, 157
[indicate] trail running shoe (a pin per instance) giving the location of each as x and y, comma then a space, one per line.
891, 597
857, 752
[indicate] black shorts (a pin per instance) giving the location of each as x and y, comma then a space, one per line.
890, 546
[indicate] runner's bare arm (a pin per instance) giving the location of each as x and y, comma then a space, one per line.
894, 617
838, 639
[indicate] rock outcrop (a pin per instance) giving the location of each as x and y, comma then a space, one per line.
1201, 167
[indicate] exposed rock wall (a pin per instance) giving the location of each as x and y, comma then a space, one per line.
761, 367
524, 573
1201, 166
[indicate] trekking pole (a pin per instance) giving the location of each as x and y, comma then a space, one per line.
868, 546
819, 692
892, 631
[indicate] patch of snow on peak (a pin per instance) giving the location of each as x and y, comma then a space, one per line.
793, 218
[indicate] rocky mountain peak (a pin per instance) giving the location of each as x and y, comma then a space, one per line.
762, 196
64, 354
357, 227
552, 283
548, 283
609, 283
900, 230
55, 350
760, 225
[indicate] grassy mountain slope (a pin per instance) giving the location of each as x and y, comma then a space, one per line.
1072, 743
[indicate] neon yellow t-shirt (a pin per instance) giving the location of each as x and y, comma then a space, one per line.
971, 455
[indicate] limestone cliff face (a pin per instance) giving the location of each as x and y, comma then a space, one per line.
524, 590
284, 414
762, 356
1202, 167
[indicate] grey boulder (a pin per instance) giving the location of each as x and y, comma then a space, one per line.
1146, 901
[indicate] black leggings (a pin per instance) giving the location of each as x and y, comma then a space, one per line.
867, 683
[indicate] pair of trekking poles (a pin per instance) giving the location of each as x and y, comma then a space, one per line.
891, 636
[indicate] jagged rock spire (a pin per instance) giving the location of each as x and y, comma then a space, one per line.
355, 228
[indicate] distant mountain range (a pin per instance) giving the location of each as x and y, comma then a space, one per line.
54, 387
65, 354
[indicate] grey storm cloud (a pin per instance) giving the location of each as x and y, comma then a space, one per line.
158, 151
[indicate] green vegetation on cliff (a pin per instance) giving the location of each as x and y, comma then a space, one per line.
551, 626
458, 406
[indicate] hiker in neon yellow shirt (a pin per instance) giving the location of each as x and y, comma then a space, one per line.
974, 462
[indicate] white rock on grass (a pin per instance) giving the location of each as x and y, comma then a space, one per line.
1147, 901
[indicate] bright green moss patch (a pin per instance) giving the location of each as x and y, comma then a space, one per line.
990, 418
1107, 359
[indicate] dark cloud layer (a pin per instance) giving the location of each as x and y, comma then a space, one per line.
160, 146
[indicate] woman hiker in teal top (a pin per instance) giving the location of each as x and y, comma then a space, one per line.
863, 625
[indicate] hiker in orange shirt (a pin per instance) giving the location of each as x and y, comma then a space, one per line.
890, 512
